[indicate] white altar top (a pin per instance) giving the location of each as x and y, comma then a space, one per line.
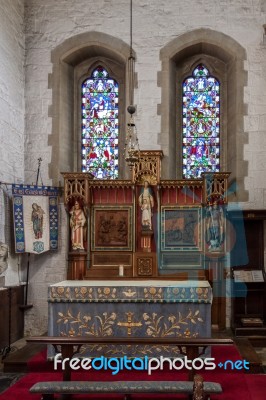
135, 283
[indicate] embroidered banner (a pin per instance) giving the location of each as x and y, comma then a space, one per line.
35, 218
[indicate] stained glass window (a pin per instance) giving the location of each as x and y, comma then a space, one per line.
201, 123
100, 125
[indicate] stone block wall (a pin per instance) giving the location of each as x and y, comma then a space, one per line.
47, 24
12, 117
12, 85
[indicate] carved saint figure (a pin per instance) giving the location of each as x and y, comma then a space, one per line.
77, 224
146, 203
215, 226
3, 257
37, 220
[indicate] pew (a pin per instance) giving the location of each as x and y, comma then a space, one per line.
69, 346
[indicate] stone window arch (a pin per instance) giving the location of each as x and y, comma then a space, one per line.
73, 61
224, 58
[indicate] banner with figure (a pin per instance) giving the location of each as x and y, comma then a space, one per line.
35, 218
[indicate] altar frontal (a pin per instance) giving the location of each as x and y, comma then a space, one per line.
130, 308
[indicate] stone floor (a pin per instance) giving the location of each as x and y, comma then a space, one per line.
8, 379
261, 351
14, 347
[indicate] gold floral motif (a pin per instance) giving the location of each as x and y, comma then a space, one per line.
107, 293
202, 293
175, 290
86, 324
153, 293
193, 293
158, 327
60, 292
83, 292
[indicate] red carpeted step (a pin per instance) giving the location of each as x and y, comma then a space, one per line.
236, 384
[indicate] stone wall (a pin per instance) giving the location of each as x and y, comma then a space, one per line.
12, 113
48, 25
12, 51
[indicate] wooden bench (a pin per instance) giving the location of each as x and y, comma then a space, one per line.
198, 389
69, 346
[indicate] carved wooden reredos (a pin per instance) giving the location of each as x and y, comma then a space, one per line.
145, 227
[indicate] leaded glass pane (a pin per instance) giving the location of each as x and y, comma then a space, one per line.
201, 123
100, 125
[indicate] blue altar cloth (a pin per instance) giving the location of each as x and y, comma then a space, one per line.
150, 308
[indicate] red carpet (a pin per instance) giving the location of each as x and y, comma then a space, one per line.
236, 384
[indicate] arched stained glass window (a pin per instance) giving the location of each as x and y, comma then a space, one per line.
100, 125
201, 123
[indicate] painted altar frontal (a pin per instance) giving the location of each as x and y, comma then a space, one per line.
130, 308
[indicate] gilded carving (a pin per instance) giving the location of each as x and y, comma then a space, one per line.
192, 294
158, 294
129, 324
144, 266
83, 293
94, 325
76, 186
148, 168
105, 324
118, 350
153, 293
215, 187
159, 326
129, 293
106, 293
60, 292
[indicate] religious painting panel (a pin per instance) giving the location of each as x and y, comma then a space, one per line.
181, 228
112, 228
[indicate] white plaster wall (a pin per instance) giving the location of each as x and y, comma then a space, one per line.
12, 112
49, 23
12, 50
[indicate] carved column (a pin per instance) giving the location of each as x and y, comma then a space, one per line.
77, 202
146, 175
215, 200
146, 237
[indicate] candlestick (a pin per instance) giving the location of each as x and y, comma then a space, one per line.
121, 270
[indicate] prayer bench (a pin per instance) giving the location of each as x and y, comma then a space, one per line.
200, 390
68, 346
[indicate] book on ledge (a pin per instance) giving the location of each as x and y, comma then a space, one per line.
248, 276
251, 321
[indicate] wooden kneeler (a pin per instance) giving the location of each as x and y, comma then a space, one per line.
199, 389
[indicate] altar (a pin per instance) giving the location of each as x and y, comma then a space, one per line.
124, 308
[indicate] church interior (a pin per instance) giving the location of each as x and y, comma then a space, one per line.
132, 185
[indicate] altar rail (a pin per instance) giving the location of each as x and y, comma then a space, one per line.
69, 346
